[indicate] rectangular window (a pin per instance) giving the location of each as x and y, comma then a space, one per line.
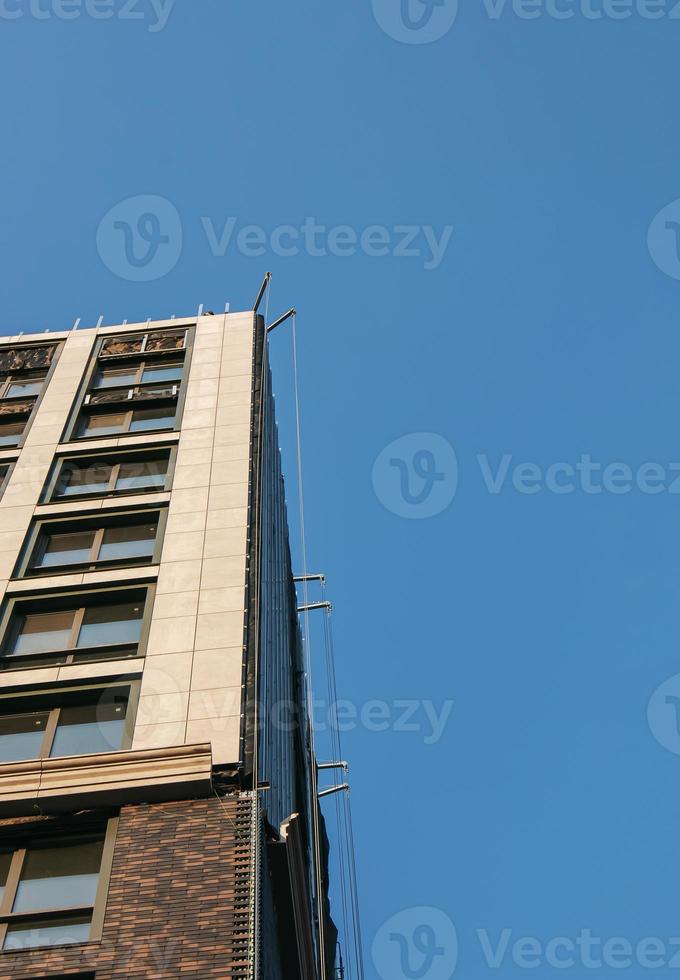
5, 862
96, 626
112, 540
143, 471
12, 431
156, 341
62, 723
5, 473
134, 385
54, 888
23, 374
116, 423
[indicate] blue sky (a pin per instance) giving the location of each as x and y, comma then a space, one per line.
549, 329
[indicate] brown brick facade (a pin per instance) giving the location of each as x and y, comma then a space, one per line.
179, 899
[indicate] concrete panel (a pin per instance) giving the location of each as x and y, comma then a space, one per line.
222, 667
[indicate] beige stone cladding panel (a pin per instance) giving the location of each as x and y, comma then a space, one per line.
22, 493
191, 686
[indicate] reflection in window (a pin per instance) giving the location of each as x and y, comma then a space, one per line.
50, 889
24, 389
115, 377
105, 625
5, 861
102, 425
135, 541
66, 549
42, 632
22, 735
143, 474
89, 543
94, 476
71, 723
87, 728
141, 420
48, 932
59, 877
93, 629
78, 479
11, 432
147, 419
162, 372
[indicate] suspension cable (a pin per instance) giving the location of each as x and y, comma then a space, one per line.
321, 911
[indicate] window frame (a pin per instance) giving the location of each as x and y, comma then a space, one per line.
98, 360
138, 381
77, 601
107, 831
117, 455
75, 694
128, 414
13, 376
4, 480
99, 522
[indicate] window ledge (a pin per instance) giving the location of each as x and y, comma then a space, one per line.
39, 583
108, 778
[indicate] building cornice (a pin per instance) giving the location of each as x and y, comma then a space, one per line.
109, 778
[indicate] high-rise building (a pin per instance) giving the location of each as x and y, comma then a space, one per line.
158, 798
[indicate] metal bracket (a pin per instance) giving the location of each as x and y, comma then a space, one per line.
333, 789
333, 765
315, 605
281, 319
264, 285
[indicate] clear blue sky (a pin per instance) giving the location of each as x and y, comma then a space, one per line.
546, 332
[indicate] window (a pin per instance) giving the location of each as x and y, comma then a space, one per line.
54, 888
26, 386
144, 373
12, 429
68, 722
70, 629
134, 385
23, 372
98, 476
112, 540
5, 473
156, 341
138, 420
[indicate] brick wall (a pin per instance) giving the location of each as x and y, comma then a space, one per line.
178, 902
